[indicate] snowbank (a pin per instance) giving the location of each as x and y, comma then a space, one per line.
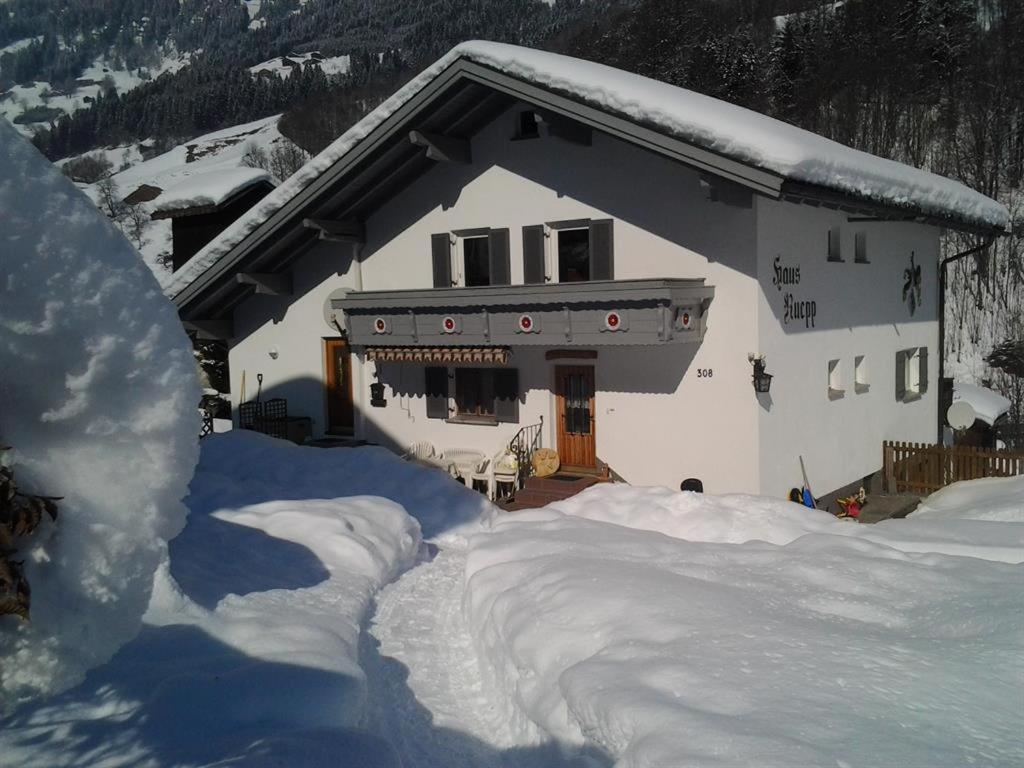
826, 647
988, 405
997, 499
99, 391
251, 653
724, 128
213, 188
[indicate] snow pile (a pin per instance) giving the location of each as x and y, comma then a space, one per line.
988, 405
211, 188
251, 653
98, 394
996, 499
826, 647
724, 128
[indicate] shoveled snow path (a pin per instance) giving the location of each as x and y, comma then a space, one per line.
426, 694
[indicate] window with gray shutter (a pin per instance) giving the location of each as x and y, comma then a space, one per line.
923, 376
436, 392
441, 252
506, 395
533, 254
501, 264
901, 375
602, 250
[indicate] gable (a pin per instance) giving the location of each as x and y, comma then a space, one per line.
464, 90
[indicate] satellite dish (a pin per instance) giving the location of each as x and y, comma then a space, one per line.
334, 319
960, 415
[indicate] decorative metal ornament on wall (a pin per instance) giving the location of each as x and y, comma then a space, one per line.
912, 285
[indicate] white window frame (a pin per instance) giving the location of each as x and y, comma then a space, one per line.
911, 373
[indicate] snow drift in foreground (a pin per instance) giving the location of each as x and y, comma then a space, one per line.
98, 394
250, 653
722, 631
991, 498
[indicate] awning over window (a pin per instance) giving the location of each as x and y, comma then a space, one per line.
443, 355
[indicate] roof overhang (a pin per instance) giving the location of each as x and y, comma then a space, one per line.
458, 102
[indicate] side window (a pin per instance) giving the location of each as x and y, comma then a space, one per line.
860, 248
835, 252
911, 373
835, 380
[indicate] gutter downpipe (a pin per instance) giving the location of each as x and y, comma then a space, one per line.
942, 316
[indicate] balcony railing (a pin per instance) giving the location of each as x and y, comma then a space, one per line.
597, 313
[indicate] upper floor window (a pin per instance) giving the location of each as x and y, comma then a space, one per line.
529, 125
476, 261
573, 255
835, 250
569, 251
860, 248
470, 258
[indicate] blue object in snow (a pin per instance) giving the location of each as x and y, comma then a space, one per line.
808, 499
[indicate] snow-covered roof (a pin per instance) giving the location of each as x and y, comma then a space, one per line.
213, 188
724, 129
988, 405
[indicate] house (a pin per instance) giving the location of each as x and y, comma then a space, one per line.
203, 205
518, 238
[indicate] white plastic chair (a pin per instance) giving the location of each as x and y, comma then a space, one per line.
424, 452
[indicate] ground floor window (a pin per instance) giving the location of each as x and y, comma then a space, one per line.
482, 395
474, 393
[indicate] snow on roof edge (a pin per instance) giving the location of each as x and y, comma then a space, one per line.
727, 129
209, 188
988, 404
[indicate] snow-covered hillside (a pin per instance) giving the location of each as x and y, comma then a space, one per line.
31, 105
285, 66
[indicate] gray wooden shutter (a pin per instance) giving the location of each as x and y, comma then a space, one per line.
506, 395
437, 392
901, 376
498, 253
533, 254
602, 250
922, 386
441, 251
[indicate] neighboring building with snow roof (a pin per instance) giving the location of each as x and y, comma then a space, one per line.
204, 205
517, 237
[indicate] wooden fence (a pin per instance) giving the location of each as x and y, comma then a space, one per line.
922, 469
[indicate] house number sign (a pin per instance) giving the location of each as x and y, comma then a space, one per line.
794, 308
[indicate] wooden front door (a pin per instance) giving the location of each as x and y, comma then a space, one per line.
574, 397
338, 381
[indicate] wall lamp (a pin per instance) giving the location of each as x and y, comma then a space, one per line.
761, 378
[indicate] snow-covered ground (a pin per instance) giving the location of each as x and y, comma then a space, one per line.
301, 618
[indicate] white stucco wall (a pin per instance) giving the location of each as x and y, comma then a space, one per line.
657, 422
659, 417
859, 311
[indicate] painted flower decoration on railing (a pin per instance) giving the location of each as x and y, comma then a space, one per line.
912, 285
